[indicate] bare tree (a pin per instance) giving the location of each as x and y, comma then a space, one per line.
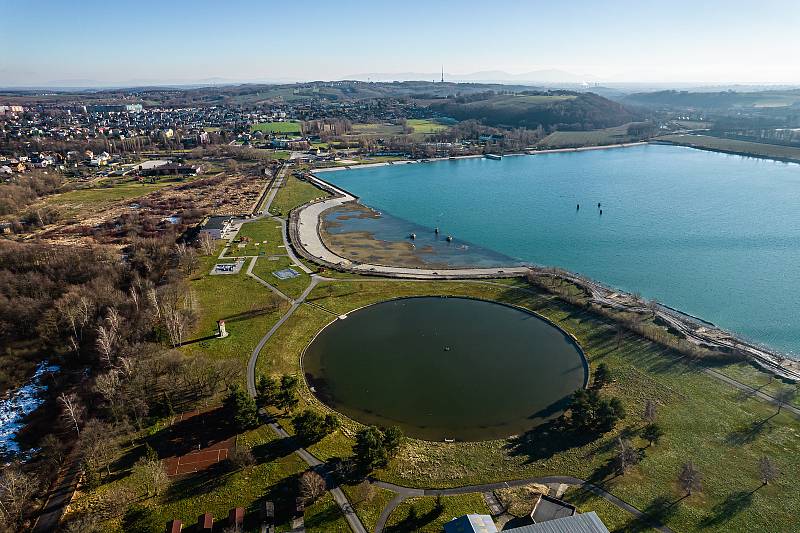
207, 243
150, 474
690, 479
767, 470
187, 257
176, 322
73, 410
17, 490
312, 486
108, 336
650, 411
627, 455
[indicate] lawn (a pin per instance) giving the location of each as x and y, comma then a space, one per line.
248, 308
734, 146
293, 287
426, 126
722, 431
368, 503
293, 193
259, 232
421, 514
277, 127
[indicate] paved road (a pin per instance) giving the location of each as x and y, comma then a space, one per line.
408, 492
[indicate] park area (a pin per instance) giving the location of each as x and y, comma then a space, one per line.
286, 127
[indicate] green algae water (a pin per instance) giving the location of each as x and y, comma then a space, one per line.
714, 235
445, 368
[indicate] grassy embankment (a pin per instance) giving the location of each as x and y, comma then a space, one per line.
294, 192
734, 146
705, 420
572, 139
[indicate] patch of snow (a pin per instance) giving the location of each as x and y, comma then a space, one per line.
17, 404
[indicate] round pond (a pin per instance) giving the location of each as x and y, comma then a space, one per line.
445, 368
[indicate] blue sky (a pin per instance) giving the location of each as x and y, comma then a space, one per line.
613, 40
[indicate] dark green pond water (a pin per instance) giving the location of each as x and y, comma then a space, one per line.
445, 368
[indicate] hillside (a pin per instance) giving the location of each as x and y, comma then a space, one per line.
551, 110
715, 100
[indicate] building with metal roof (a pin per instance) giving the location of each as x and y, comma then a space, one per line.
579, 523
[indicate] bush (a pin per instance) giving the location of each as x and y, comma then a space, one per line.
241, 457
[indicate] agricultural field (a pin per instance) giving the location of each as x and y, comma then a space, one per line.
277, 127
734, 146
378, 130
425, 126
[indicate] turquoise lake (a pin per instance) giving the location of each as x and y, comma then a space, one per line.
714, 235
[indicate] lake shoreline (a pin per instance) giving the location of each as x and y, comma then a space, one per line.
477, 156
309, 244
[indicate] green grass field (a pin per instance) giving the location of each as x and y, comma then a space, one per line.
421, 514
707, 142
277, 127
293, 287
294, 193
425, 126
259, 232
705, 420
248, 308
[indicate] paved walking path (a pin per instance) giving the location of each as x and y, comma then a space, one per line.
304, 224
409, 492
338, 495
60, 495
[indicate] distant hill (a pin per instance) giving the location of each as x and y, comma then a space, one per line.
558, 109
714, 101
537, 77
